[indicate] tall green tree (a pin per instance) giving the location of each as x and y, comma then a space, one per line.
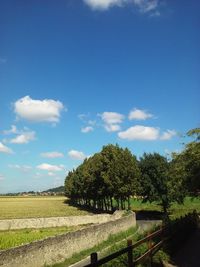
186, 164
154, 179
111, 174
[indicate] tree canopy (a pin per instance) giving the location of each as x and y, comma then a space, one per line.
112, 174
109, 178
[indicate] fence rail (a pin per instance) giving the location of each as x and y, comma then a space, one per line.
153, 247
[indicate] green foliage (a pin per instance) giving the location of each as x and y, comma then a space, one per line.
112, 174
185, 166
155, 179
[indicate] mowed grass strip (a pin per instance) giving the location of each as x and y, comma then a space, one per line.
13, 238
35, 207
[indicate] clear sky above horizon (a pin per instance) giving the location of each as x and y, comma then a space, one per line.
78, 74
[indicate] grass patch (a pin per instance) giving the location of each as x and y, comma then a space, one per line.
176, 210
13, 238
112, 239
35, 207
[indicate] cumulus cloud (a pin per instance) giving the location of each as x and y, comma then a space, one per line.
5, 149
87, 129
103, 4
46, 110
144, 6
77, 155
112, 127
112, 120
168, 135
52, 155
112, 117
50, 167
12, 130
23, 138
139, 132
139, 114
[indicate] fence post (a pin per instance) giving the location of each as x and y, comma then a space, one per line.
149, 244
130, 253
94, 259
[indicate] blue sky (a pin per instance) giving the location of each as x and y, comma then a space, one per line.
78, 74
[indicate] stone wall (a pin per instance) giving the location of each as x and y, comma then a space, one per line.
57, 221
56, 249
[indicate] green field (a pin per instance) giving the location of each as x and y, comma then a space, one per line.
176, 210
13, 238
34, 207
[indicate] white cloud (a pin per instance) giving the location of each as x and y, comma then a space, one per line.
92, 122
103, 4
52, 155
51, 174
87, 129
50, 167
168, 134
111, 121
144, 6
140, 132
139, 114
112, 127
46, 110
23, 168
5, 149
112, 117
77, 155
13, 130
23, 138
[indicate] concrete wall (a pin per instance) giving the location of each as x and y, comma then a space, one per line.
56, 249
57, 221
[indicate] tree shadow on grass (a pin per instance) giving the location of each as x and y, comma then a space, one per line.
86, 208
149, 215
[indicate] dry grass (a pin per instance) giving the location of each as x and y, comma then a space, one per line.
35, 207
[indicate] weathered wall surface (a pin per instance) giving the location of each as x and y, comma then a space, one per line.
56, 249
57, 221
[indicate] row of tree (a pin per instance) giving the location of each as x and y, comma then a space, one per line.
108, 179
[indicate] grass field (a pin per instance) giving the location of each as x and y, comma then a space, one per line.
13, 238
176, 210
34, 207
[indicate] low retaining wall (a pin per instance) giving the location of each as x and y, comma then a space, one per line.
56, 249
57, 221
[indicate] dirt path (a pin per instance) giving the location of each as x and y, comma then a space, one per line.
189, 254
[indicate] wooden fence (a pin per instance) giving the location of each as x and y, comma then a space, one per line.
153, 247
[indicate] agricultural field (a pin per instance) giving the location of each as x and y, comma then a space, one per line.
35, 207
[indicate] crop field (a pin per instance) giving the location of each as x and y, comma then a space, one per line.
35, 207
